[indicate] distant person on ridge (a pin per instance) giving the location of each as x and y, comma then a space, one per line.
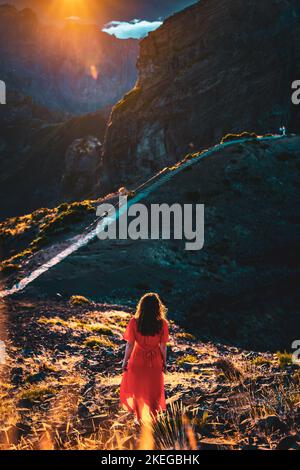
142, 388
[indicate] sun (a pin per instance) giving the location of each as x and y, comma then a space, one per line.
62, 9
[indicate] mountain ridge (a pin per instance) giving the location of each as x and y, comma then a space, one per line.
249, 264
76, 68
184, 99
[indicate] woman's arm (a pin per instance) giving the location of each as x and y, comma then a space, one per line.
128, 351
163, 348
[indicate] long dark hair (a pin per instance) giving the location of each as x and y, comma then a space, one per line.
150, 314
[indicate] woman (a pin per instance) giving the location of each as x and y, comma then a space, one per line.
142, 387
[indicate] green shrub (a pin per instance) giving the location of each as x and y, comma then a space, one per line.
261, 361
9, 268
101, 330
189, 358
79, 300
53, 321
36, 393
95, 342
186, 336
284, 359
40, 242
243, 135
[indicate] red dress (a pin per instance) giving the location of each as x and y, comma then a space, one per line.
142, 387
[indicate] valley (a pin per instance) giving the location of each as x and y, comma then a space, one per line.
247, 237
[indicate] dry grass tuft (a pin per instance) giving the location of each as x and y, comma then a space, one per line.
173, 429
35, 393
187, 358
261, 361
186, 336
79, 300
230, 371
284, 359
95, 342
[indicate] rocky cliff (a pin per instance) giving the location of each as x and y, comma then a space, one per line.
40, 164
76, 68
217, 67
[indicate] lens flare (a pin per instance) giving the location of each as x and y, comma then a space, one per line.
94, 72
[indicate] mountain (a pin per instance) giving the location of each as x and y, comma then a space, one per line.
242, 288
66, 297
45, 157
75, 68
104, 11
216, 67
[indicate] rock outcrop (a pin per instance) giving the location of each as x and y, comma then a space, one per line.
35, 156
81, 172
76, 68
217, 67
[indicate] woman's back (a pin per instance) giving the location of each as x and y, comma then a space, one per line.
146, 335
146, 341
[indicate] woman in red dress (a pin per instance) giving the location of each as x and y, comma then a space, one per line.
142, 388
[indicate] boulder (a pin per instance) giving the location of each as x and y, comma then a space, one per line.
81, 171
271, 423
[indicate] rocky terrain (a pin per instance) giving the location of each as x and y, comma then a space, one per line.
75, 68
216, 67
233, 306
59, 387
241, 288
45, 157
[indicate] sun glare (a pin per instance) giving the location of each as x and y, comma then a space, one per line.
63, 9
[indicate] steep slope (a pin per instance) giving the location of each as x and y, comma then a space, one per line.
40, 165
217, 67
243, 286
76, 68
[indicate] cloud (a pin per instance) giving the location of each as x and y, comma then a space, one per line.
135, 29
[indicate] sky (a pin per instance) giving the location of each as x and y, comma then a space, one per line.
123, 18
135, 29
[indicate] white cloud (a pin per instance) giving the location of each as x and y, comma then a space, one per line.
135, 29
